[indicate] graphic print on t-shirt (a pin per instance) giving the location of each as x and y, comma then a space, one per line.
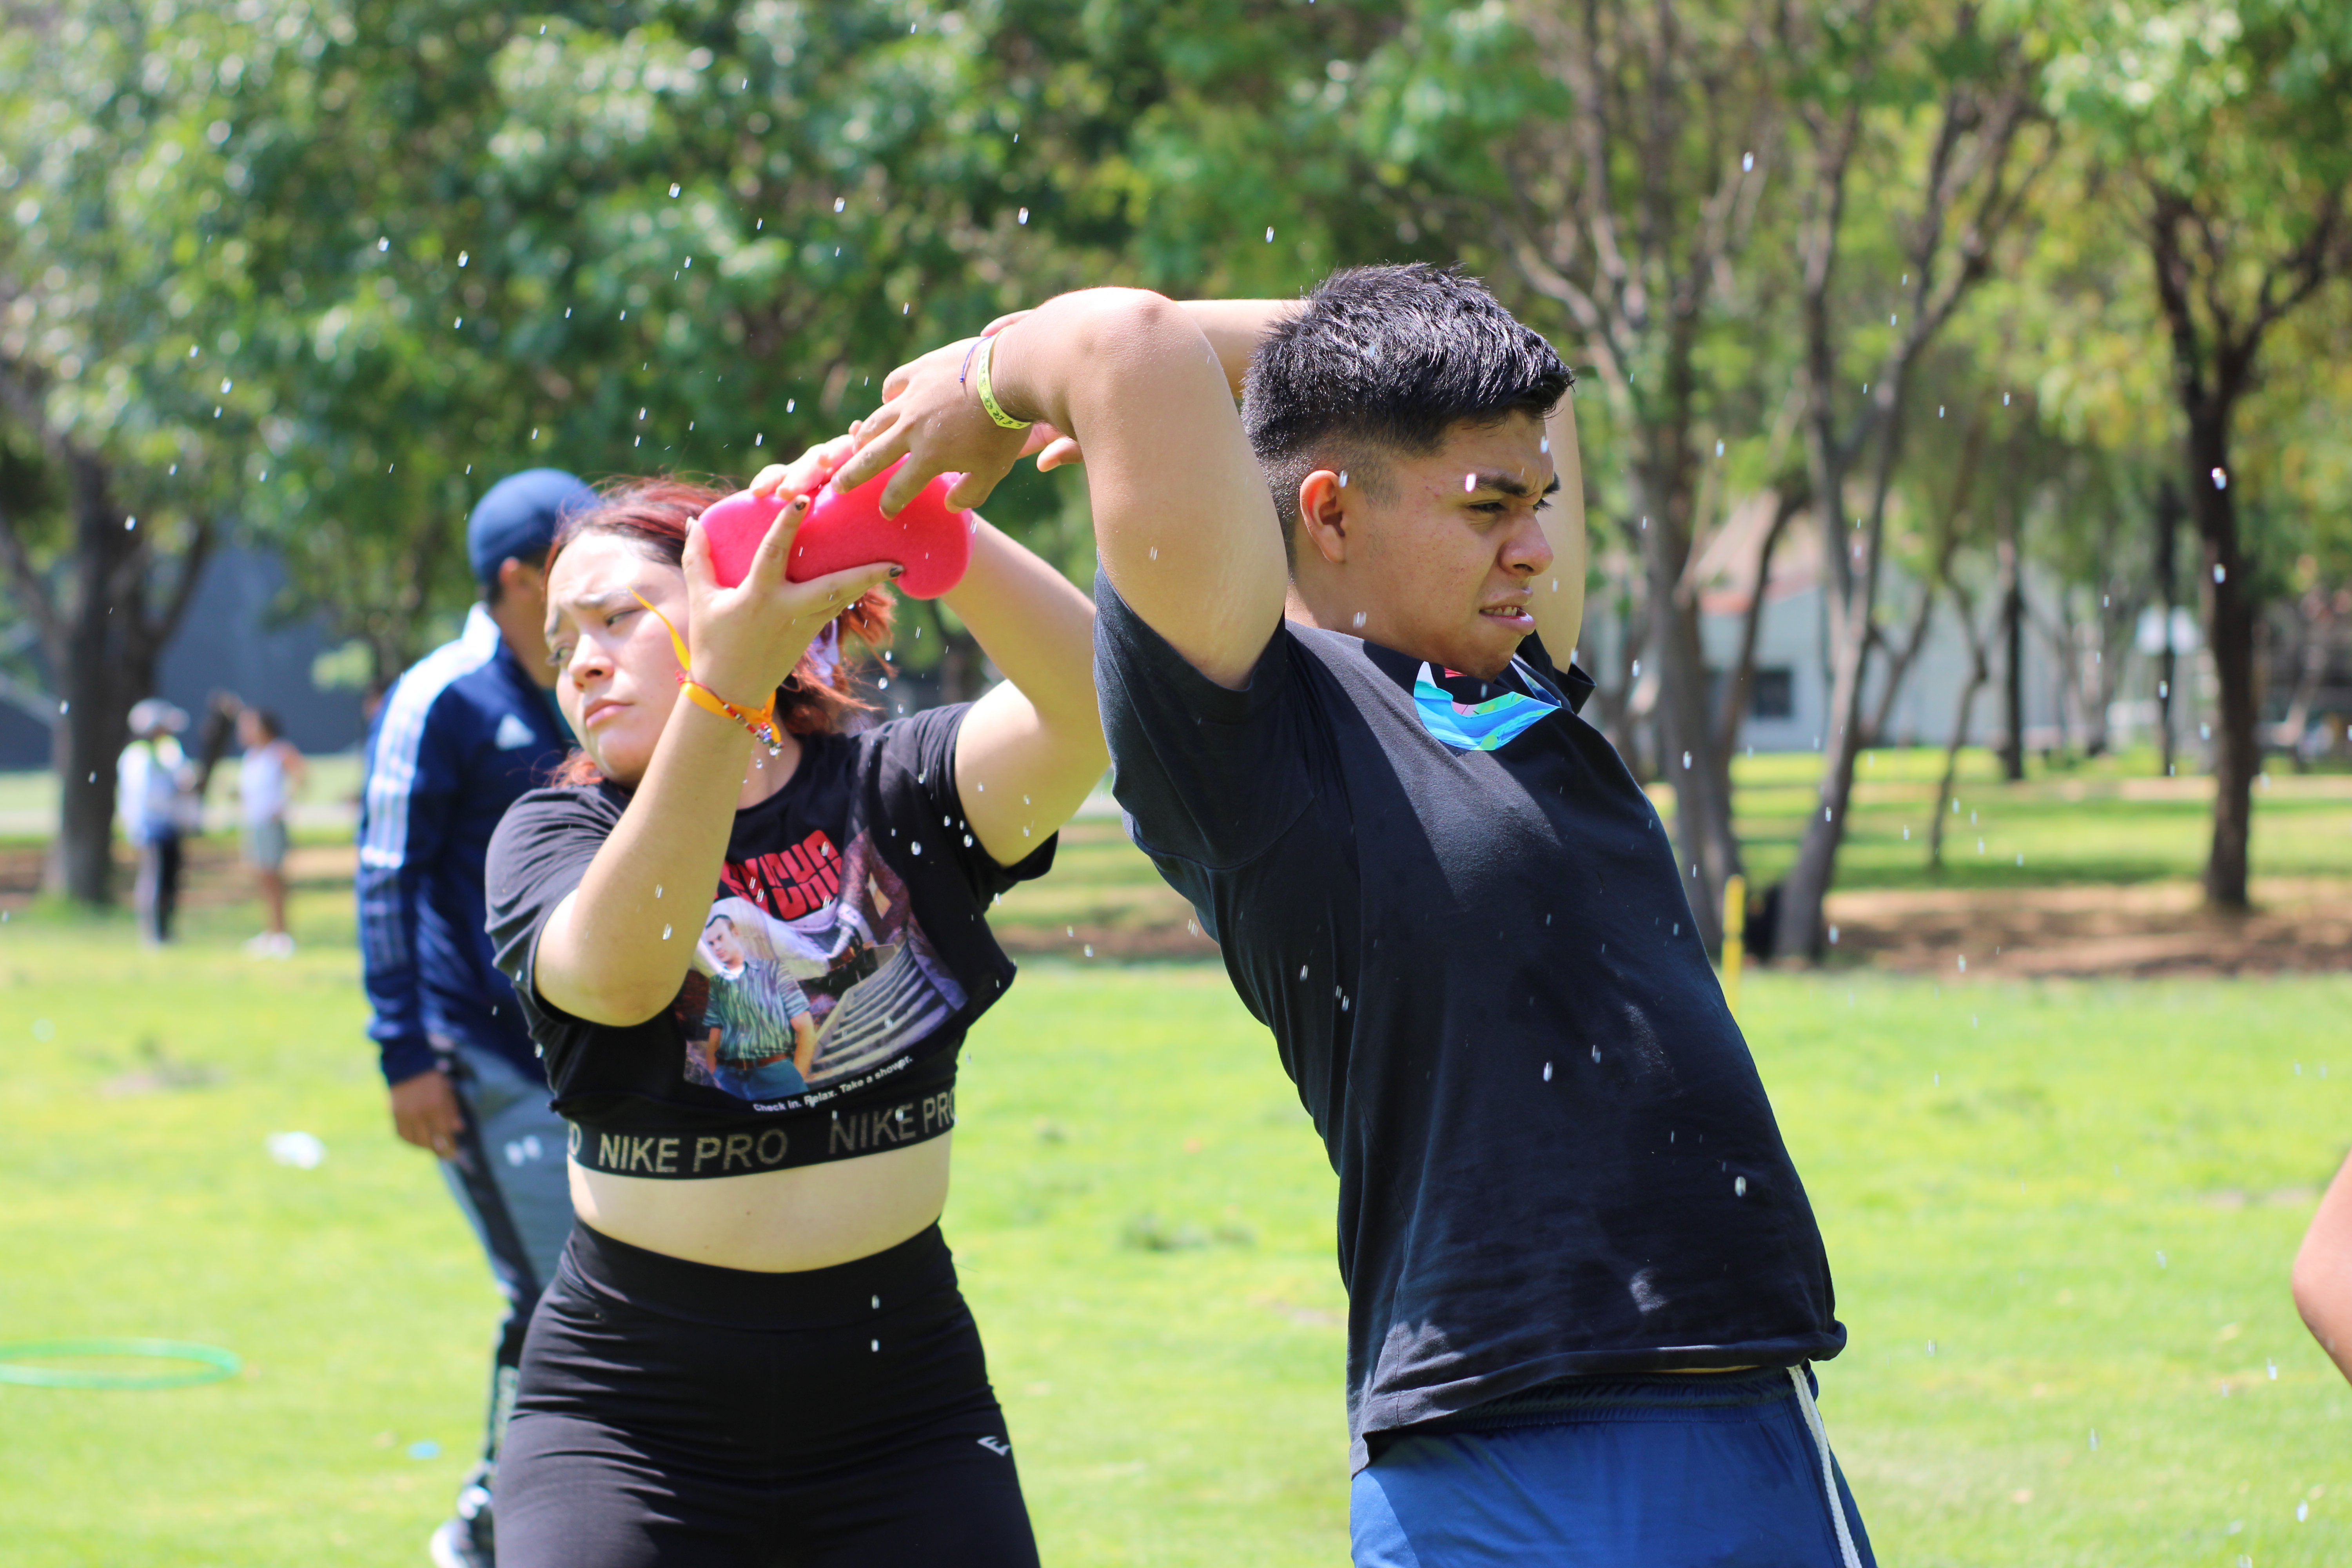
1485, 725
809, 972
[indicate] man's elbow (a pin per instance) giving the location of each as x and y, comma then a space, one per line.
1126, 325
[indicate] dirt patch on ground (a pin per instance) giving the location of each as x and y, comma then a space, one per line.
213, 872
2298, 926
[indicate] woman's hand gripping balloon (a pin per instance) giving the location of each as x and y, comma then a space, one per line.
806, 474
745, 640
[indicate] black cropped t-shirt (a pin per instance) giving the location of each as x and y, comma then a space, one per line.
832, 973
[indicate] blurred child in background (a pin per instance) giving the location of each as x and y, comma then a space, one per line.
271, 772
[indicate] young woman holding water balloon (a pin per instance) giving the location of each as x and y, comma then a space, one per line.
755, 1350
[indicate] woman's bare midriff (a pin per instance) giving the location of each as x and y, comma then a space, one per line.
778, 1222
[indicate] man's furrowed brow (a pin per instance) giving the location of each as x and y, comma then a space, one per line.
1509, 483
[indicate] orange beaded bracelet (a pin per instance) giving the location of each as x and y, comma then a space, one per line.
761, 722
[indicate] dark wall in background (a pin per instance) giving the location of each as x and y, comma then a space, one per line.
229, 643
23, 742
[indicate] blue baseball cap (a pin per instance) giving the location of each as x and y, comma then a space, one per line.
516, 518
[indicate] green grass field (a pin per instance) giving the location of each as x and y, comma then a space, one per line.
1143, 1218
2109, 820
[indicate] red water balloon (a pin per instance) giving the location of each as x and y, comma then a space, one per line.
844, 529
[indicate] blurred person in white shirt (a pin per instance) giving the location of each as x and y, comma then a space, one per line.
153, 800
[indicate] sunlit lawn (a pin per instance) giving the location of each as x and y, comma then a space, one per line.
1144, 1222
2113, 819
2108, 821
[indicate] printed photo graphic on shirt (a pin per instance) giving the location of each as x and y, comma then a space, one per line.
809, 971
1482, 726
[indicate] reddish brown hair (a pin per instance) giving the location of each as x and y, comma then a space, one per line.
654, 514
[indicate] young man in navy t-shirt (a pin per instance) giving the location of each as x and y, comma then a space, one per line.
1584, 1280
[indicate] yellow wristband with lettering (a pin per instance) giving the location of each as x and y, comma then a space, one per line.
979, 379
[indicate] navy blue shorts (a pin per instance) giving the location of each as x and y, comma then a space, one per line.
1732, 1469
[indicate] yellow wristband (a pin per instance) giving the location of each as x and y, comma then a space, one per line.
988, 391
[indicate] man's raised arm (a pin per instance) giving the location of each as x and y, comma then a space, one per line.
1183, 524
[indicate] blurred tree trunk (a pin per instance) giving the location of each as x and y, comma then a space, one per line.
1980, 671
1629, 211
2012, 643
1970, 195
103, 620
1732, 712
2168, 582
2216, 341
1950, 527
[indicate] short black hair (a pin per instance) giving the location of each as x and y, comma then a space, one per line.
1388, 359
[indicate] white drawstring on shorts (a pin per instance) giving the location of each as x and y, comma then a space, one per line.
1847, 1555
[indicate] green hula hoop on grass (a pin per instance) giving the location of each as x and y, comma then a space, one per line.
213, 1363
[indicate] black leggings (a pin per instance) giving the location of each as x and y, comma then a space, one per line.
677, 1414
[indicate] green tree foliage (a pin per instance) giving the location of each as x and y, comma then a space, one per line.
313, 274
2232, 125
125, 298
1610, 166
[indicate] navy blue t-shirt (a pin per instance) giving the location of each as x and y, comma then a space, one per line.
1555, 1155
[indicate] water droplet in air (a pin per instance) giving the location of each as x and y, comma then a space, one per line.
1090, 950
839, 202
1738, 1187
1545, 445
1685, 761
1269, 237
1155, 552
918, 848
461, 259
1469, 483
1834, 936
1547, 1072
2221, 574
656, 890
2220, 479
1360, 618
1022, 217
2160, 1262
1746, 162
1596, 1053
665, 933
383, 245
1302, 972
